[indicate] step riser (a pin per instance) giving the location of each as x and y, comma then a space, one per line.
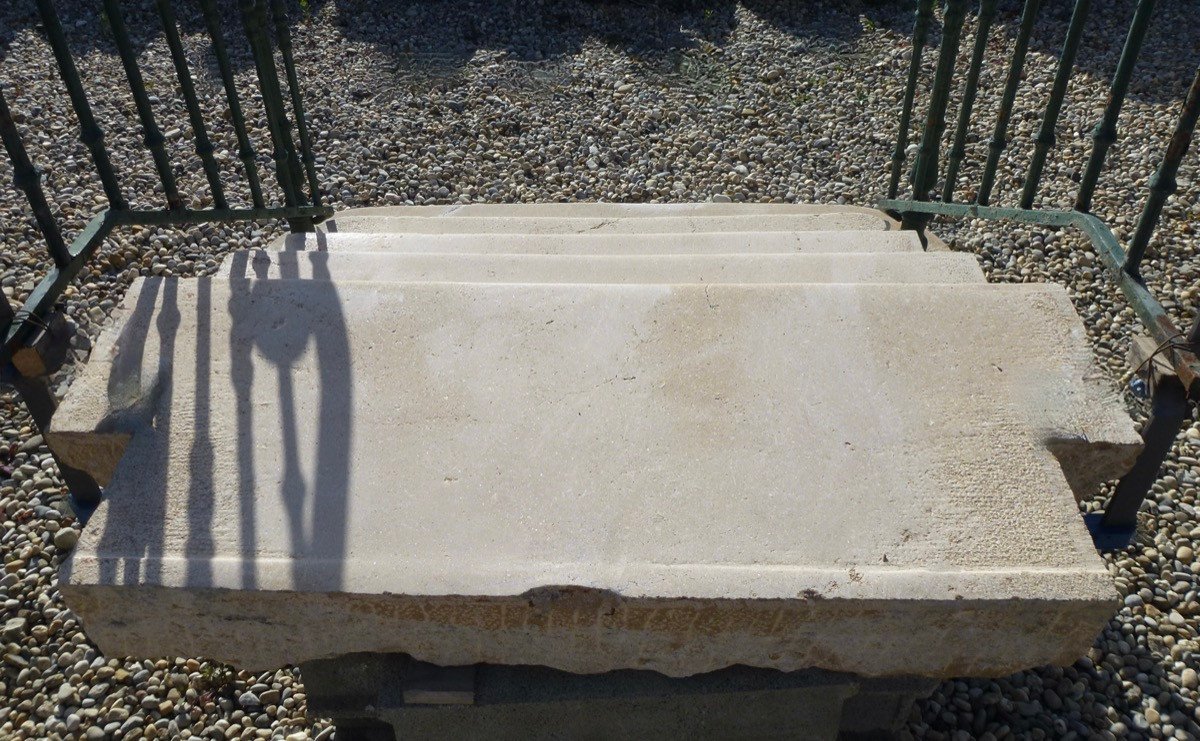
608, 210
645, 225
672, 269
733, 243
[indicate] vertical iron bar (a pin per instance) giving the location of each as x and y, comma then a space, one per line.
1045, 138
204, 147
40, 401
6, 315
285, 124
284, 37
1169, 411
1162, 182
268, 82
153, 137
245, 149
90, 132
987, 13
1105, 133
925, 171
920, 34
29, 180
1000, 133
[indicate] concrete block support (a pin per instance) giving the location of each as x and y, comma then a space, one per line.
371, 698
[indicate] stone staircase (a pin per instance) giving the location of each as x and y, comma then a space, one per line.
596, 437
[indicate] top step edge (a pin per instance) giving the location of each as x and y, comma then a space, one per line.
730, 242
607, 208
611, 224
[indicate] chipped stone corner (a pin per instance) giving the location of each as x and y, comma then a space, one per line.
1087, 464
90, 451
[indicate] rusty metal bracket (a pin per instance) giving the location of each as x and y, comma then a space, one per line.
46, 349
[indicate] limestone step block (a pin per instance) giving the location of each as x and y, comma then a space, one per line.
680, 478
649, 224
711, 243
942, 267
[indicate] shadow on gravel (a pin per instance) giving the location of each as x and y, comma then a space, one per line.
452, 31
1168, 57
448, 33
88, 28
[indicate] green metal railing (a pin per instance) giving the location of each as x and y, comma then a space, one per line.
33, 345
1173, 392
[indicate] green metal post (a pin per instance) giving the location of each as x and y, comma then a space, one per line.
1045, 138
926, 168
29, 180
1169, 410
41, 299
204, 147
7, 318
284, 39
987, 13
39, 399
1105, 133
272, 81
6, 314
153, 137
245, 149
1000, 133
920, 34
1162, 182
91, 134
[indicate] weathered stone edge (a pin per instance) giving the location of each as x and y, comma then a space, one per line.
593, 634
704, 581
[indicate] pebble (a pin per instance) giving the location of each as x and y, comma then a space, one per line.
14, 628
66, 538
1188, 679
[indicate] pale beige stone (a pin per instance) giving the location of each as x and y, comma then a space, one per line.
352, 221
942, 267
363, 219
590, 477
709, 243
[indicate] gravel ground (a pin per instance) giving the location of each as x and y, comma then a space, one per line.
442, 102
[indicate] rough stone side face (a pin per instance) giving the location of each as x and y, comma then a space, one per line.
96, 452
585, 634
1089, 463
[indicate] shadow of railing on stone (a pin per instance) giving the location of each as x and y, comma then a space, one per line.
315, 501
165, 502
